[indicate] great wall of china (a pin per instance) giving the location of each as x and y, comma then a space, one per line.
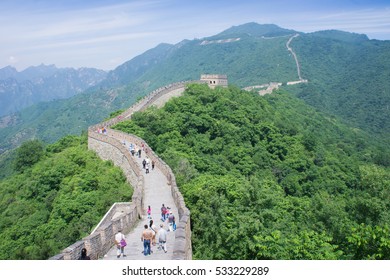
126, 215
109, 146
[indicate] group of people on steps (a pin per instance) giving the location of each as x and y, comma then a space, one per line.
146, 164
151, 233
137, 151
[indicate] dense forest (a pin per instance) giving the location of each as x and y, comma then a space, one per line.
271, 177
57, 196
347, 75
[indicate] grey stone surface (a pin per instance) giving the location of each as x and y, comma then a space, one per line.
157, 192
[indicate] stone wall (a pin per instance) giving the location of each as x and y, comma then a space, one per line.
101, 239
182, 248
109, 147
151, 99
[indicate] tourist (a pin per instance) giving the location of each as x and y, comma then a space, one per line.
162, 238
144, 164
154, 229
84, 255
172, 222
149, 212
163, 213
120, 242
147, 168
146, 237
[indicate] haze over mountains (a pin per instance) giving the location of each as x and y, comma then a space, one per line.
347, 73
35, 84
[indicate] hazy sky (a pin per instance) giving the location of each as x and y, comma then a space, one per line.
106, 33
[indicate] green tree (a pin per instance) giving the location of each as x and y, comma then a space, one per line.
370, 242
29, 153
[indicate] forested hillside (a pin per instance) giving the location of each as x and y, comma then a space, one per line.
347, 73
250, 60
57, 197
348, 77
50, 121
270, 177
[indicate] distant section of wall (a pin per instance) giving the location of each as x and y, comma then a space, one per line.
157, 97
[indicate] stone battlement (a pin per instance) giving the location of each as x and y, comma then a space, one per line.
214, 80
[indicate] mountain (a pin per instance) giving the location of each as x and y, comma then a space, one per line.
254, 30
347, 74
131, 70
8, 72
30, 73
35, 84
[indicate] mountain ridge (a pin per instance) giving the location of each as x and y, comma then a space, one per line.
256, 30
252, 60
35, 84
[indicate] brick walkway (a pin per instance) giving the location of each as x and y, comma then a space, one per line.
157, 192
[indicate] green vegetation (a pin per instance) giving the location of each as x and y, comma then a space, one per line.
347, 75
270, 177
56, 198
28, 154
6, 164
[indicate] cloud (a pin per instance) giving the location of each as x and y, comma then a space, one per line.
359, 21
77, 42
12, 60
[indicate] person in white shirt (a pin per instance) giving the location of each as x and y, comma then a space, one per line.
120, 242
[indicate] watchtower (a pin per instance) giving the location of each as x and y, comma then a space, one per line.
214, 80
